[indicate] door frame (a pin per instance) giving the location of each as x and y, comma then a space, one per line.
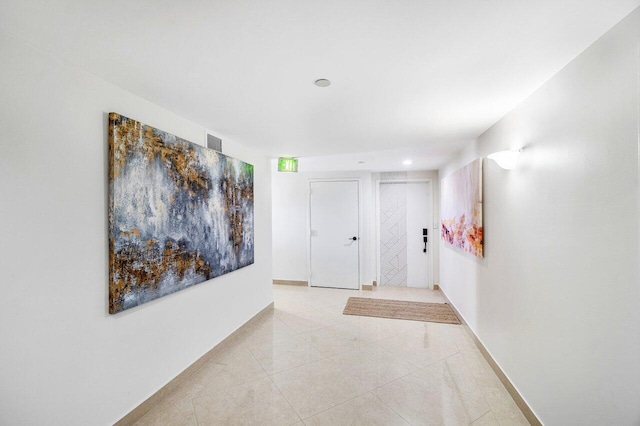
360, 221
432, 226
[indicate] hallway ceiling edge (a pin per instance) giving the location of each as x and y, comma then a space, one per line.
415, 75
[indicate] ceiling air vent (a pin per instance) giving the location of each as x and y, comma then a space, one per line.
214, 142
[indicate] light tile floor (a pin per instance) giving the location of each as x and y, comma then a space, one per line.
306, 363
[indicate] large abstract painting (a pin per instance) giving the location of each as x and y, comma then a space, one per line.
179, 213
461, 208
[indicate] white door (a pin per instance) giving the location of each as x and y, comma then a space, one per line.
405, 211
334, 234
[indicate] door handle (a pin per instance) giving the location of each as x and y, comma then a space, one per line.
353, 238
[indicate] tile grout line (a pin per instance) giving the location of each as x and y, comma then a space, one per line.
285, 398
226, 389
481, 388
337, 405
476, 351
390, 408
333, 405
297, 366
460, 393
195, 414
488, 412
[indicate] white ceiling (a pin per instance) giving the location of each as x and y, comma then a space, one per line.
422, 77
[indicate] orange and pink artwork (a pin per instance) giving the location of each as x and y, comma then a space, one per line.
461, 209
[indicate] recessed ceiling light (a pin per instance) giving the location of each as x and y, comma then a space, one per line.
407, 162
322, 82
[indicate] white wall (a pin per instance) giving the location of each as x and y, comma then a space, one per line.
63, 359
289, 227
291, 211
290, 223
556, 300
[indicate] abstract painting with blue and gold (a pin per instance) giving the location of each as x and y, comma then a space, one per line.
179, 213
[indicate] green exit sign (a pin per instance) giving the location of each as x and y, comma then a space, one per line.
287, 164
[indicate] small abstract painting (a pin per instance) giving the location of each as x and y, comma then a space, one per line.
179, 213
461, 208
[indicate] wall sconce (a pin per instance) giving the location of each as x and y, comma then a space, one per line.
287, 164
506, 159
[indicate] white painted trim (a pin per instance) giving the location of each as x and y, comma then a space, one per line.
377, 223
360, 222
